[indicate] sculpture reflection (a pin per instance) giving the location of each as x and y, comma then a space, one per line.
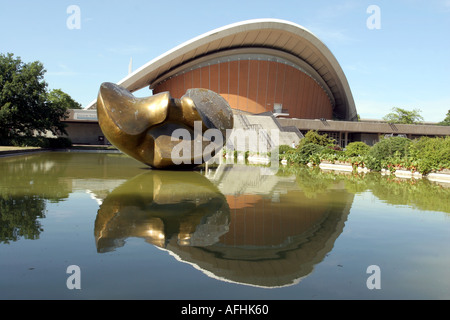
161, 207
247, 238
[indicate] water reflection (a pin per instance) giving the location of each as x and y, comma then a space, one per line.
239, 225
25, 186
235, 223
421, 194
162, 207
29, 182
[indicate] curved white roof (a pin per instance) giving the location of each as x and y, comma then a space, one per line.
280, 35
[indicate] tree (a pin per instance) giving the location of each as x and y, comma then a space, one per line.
403, 116
59, 97
26, 107
446, 121
314, 137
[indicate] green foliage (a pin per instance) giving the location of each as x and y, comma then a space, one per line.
386, 148
315, 138
59, 143
26, 107
403, 116
294, 157
356, 148
423, 155
331, 151
416, 193
283, 149
19, 217
58, 97
306, 151
39, 141
446, 121
431, 154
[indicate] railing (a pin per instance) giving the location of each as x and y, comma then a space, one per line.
281, 111
244, 121
258, 128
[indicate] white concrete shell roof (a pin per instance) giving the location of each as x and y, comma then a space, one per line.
279, 35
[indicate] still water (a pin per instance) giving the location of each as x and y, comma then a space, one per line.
229, 232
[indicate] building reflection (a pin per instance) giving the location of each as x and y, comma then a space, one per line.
234, 223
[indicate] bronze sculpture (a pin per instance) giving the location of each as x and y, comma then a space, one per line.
149, 129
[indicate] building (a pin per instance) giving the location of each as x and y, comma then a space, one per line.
257, 66
267, 67
367, 131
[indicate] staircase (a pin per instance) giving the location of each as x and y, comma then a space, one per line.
264, 128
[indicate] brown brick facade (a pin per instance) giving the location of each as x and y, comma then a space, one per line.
255, 86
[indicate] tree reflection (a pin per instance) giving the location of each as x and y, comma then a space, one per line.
417, 193
18, 217
27, 183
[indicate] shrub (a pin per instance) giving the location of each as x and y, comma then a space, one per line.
356, 148
315, 138
295, 157
331, 155
307, 150
386, 148
434, 149
27, 141
431, 154
60, 142
282, 149
42, 142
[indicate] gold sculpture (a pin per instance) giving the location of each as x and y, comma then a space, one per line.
149, 129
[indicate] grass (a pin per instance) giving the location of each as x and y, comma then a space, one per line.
12, 148
84, 147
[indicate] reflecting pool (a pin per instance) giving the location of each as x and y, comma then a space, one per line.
233, 231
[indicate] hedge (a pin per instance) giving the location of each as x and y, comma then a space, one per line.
423, 155
42, 142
